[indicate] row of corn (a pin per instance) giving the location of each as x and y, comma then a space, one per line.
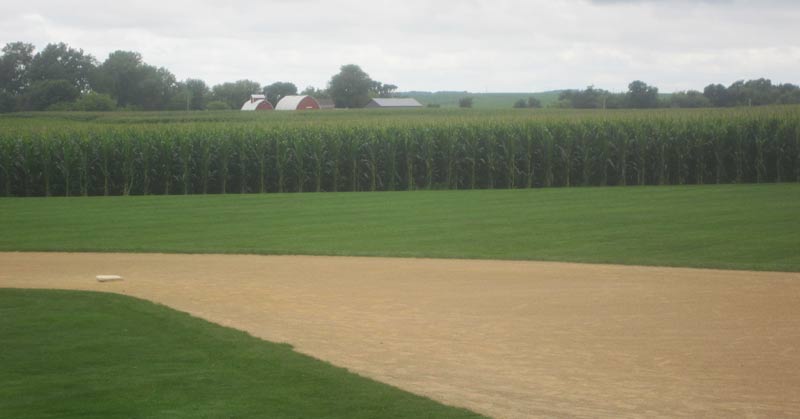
374, 155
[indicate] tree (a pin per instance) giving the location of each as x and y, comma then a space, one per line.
788, 94
383, 90
133, 83
235, 94
120, 76
760, 92
316, 93
180, 101
752, 93
197, 93
640, 95
590, 98
351, 87
278, 90
465, 102
8, 102
14, 63
157, 88
717, 94
737, 94
520, 104
60, 62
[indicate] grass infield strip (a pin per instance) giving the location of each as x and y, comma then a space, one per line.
70, 354
751, 227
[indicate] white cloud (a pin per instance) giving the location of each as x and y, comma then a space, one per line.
499, 45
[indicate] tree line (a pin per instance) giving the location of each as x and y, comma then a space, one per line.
641, 95
60, 77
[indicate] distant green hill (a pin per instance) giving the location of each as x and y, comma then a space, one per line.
489, 100
480, 100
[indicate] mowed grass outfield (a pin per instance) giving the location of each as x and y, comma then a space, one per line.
78, 354
95, 355
729, 226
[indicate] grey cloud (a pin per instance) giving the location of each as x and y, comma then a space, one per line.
502, 45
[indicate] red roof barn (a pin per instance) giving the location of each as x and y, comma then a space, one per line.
297, 103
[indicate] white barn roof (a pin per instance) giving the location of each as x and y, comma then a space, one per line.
397, 102
290, 103
251, 105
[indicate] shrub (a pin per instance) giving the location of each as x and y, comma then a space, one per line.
534, 103
62, 107
217, 105
42, 94
96, 102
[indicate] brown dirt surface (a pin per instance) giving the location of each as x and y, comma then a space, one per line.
507, 339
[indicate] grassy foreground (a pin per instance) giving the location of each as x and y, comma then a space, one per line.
91, 355
728, 226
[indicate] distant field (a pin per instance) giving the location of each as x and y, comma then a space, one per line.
490, 100
481, 100
730, 226
79, 354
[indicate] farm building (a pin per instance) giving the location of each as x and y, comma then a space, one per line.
297, 103
257, 103
325, 103
393, 103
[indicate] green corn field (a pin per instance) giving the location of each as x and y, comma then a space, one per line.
227, 152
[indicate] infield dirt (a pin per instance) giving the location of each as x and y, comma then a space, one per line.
503, 338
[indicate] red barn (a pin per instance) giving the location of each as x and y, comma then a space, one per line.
257, 103
297, 103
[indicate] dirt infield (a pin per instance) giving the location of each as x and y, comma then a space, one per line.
507, 339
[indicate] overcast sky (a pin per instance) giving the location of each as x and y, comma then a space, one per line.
474, 45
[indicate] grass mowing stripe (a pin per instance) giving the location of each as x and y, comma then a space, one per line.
720, 226
92, 355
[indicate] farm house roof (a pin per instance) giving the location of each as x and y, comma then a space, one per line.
325, 103
397, 103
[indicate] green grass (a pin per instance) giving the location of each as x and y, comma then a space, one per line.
731, 226
69, 354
